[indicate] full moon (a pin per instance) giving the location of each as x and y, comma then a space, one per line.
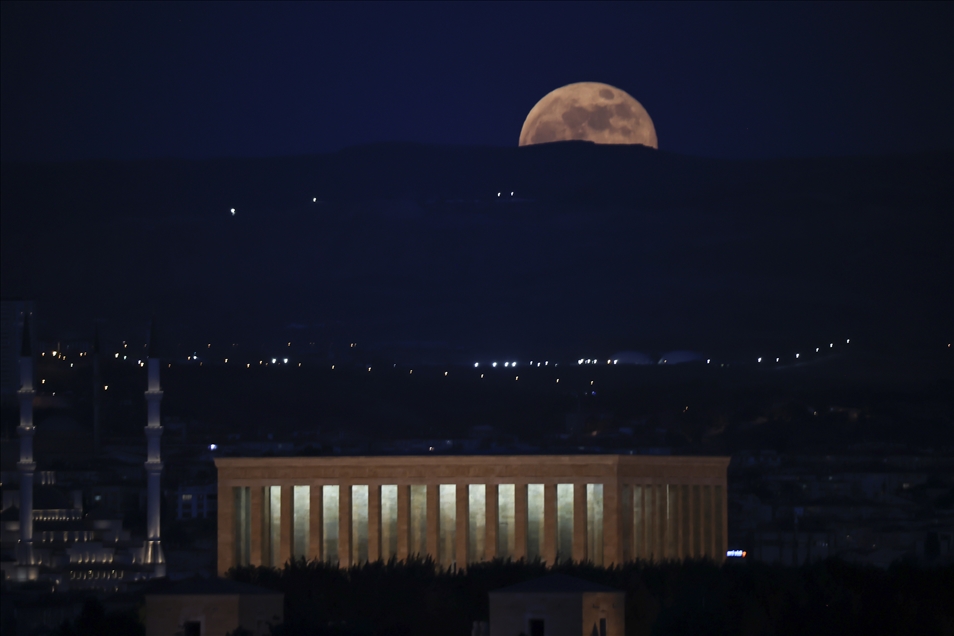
592, 111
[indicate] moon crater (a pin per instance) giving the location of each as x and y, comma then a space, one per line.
590, 111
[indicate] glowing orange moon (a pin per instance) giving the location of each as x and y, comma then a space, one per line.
592, 111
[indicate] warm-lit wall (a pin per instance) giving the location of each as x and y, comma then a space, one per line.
602, 508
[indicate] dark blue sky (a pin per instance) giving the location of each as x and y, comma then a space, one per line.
129, 80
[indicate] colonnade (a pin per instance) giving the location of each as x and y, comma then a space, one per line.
268, 522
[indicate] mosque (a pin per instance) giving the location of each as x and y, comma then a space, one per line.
46, 535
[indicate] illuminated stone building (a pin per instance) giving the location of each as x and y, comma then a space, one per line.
461, 509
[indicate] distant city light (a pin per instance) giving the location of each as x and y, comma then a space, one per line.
226, 361
848, 341
117, 355
498, 194
213, 447
233, 211
274, 360
513, 364
476, 364
558, 380
511, 194
735, 553
314, 200
285, 360
816, 349
776, 359
506, 364
445, 374
831, 345
481, 376
518, 377
760, 359
494, 365
580, 361
708, 361
106, 387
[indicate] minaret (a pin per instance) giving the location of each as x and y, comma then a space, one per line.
26, 466
97, 387
153, 548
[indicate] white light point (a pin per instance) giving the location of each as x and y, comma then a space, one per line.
233, 211
708, 361
494, 365
513, 364
274, 360
797, 355
760, 359
506, 364
285, 360
476, 364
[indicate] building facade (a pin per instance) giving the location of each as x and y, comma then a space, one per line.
604, 509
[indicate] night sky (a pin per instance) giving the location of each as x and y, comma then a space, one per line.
138, 80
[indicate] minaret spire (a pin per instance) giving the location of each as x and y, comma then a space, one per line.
26, 565
153, 548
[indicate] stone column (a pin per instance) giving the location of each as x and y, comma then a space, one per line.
344, 525
579, 522
287, 526
374, 522
433, 521
696, 521
316, 528
612, 522
256, 544
725, 527
520, 522
225, 533
463, 525
492, 524
549, 523
403, 521
626, 512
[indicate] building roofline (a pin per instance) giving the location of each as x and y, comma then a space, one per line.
474, 460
